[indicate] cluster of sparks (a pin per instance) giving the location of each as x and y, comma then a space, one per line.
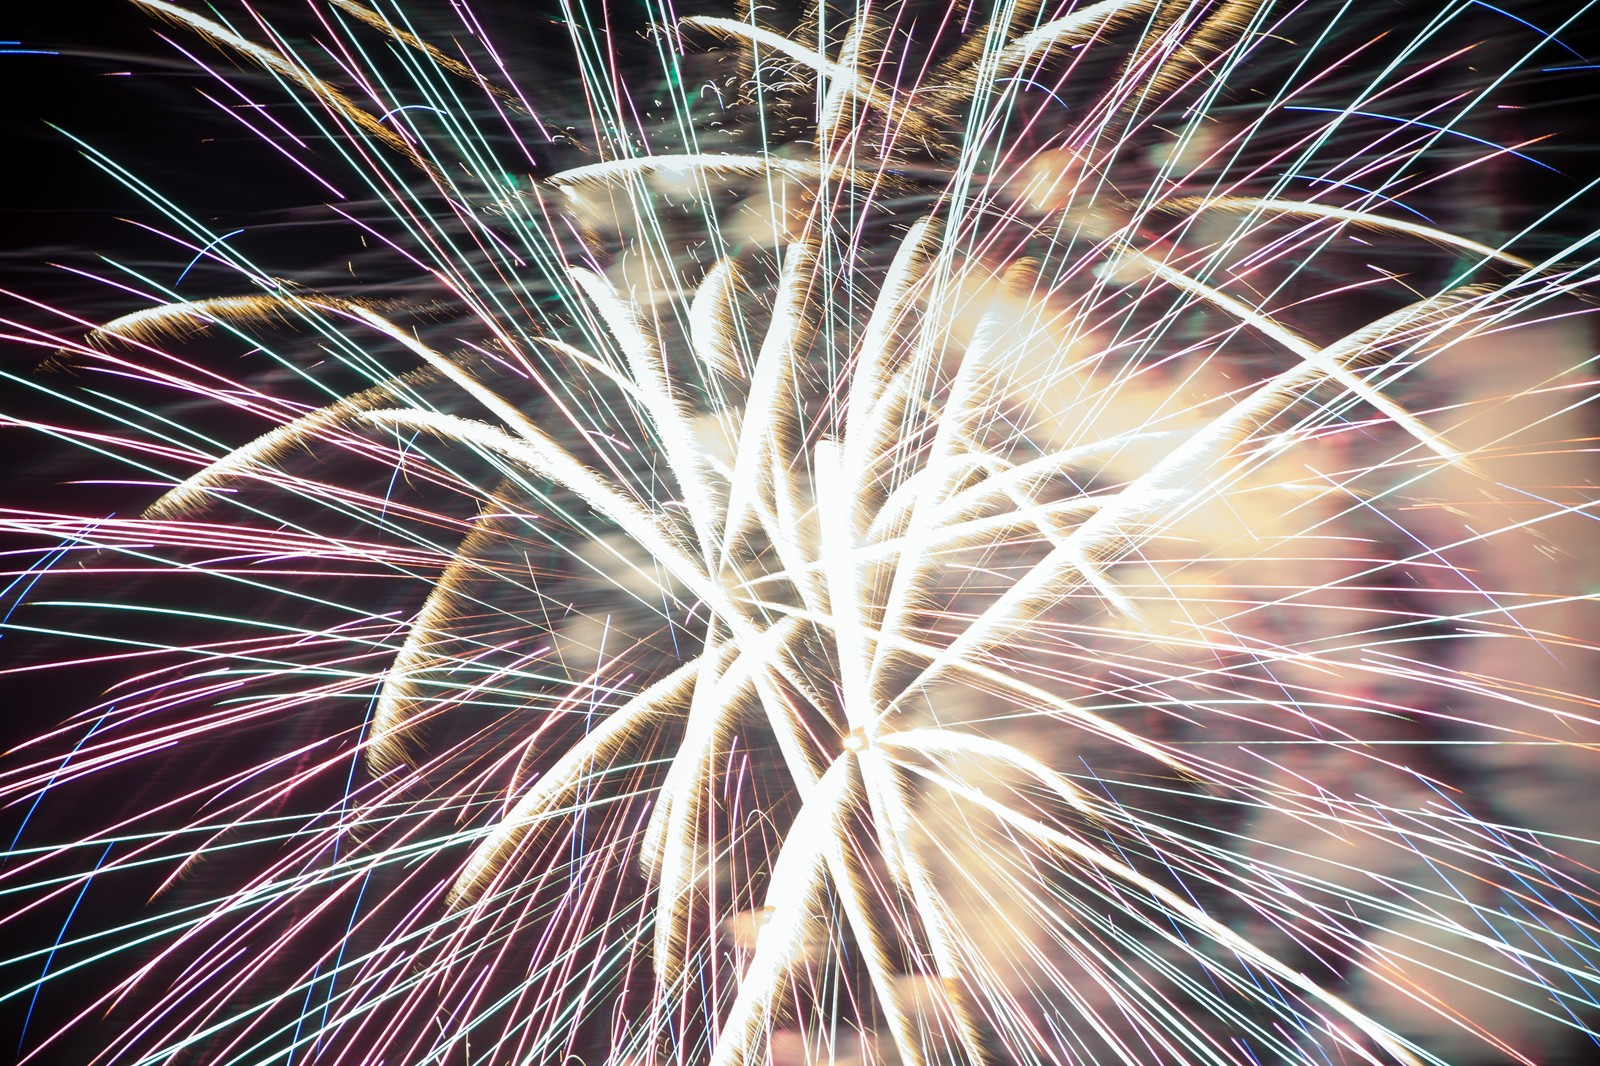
924, 603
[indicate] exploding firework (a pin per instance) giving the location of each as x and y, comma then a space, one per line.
1052, 533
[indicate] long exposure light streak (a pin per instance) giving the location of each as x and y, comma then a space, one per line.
1034, 532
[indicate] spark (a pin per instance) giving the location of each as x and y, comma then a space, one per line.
201, 255
1423, 125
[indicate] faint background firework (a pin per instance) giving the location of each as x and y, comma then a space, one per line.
417, 505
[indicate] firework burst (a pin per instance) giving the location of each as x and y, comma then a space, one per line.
1021, 535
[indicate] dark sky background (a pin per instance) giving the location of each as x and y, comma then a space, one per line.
116, 85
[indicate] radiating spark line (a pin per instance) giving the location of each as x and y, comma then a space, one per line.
44, 972
1552, 38
202, 253
1402, 120
409, 107
1369, 192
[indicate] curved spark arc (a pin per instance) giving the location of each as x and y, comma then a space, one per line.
877, 490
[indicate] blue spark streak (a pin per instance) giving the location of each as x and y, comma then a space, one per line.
201, 253
410, 107
1543, 33
1042, 88
1369, 192
33, 1001
1426, 126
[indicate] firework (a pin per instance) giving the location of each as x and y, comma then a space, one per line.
1043, 534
